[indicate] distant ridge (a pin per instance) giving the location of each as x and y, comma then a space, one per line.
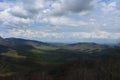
19, 41
3, 41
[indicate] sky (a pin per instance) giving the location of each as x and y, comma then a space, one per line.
61, 20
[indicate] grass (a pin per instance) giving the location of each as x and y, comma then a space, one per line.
13, 53
4, 74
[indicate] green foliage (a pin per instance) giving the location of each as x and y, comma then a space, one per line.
31, 60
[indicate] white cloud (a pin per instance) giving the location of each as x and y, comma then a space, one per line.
11, 21
22, 14
103, 22
62, 7
33, 34
64, 22
17, 11
109, 7
64, 35
96, 35
5, 5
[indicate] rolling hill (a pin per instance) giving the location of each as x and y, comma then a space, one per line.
22, 59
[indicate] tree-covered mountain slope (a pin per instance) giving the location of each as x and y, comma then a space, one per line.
22, 59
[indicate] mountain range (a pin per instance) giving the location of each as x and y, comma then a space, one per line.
22, 59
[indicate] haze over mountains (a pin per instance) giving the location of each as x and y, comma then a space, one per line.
22, 45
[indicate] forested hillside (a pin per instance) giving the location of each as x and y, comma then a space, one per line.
22, 59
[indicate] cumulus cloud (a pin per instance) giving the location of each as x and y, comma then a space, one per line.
13, 22
21, 14
32, 7
27, 12
64, 35
34, 34
4, 5
63, 21
103, 22
62, 7
17, 11
109, 7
